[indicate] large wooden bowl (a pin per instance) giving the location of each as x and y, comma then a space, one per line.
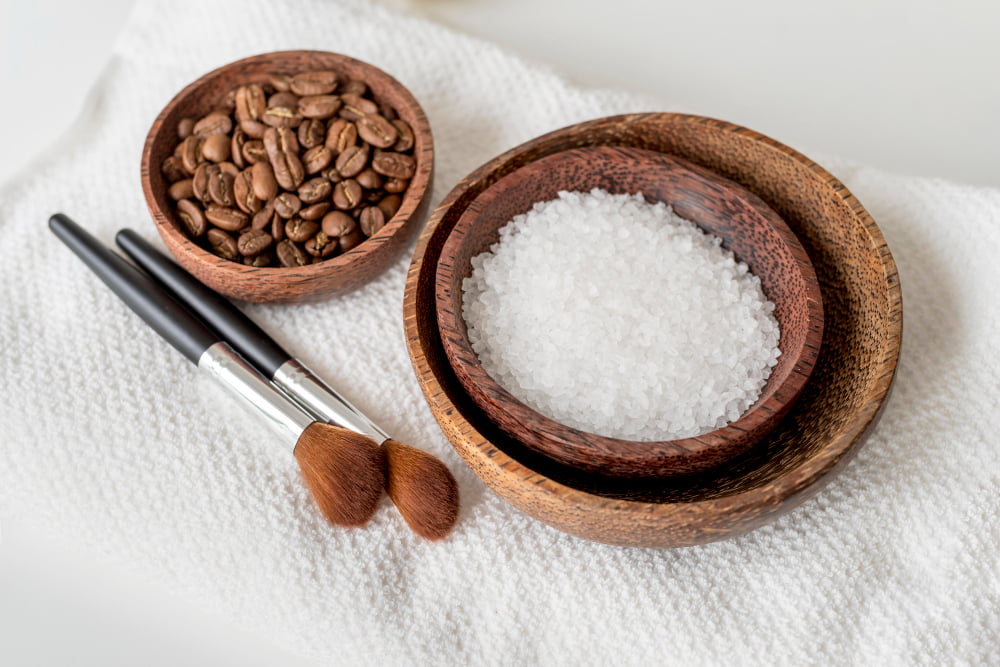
837, 409
747, 227
315, 281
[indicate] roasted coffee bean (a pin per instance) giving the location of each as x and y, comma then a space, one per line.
278, 228
332, 175
181, 190
341, 135
282, 117
191, 155
321, 245
355, 106
253, 242
264, 217
261, 260
319, 82
286, 205
216, 147
351, 240
263, 182
250, 103
394, 165
371, 220
347, 194
376, 130
319, 106
316, 159
369, 180
395, 185
282, 151
280, 82
338, 223
185, 126
373, 196
406, 139
226, 218
354, 87
243, 193
229, 101
291, 255
216, 122
253, 151
386, 111
173, 169
315, 189
390, 205
223, 244
220, 185
236, 145
315, 212
199, 183
192, 217
352, 161
283, 99
253, 128
312, 133
300, 230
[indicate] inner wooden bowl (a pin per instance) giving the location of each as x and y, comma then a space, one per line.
821, 433
747, 226
281, 284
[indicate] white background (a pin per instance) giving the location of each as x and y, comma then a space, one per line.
908, 85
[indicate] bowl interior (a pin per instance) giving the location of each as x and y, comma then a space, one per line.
336, 274
747, 226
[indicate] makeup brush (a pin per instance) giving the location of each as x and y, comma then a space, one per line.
343, 471
419, 485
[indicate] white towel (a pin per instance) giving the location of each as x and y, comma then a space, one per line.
113, 440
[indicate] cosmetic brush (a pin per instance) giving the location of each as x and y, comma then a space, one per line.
343, 471
418, 484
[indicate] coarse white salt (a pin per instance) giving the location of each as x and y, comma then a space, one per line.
618, 317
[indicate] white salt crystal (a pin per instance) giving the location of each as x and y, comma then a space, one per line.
618, 317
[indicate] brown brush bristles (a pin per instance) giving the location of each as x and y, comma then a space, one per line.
345, 472
422, 488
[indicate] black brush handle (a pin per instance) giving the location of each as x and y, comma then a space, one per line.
140, 292
218, 312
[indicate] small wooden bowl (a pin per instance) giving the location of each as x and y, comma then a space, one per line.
747, 226
824, 429
280, 284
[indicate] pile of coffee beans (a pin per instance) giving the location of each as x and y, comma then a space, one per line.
290, 171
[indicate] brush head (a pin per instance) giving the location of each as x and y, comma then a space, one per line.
422, 488
345, 472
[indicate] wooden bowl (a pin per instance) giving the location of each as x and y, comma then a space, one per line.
747, 226
822, 431
280, 284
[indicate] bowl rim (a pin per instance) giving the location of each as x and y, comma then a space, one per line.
775, 399
410, 204
541, 497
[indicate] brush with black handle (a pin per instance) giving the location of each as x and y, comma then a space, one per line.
343, 470
420, 485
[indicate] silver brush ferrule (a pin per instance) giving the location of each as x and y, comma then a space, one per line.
322, 401
229, 368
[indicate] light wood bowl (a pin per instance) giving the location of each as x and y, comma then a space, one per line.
823, 430
747, 226
281, 284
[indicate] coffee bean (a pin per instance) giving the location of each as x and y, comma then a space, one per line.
220, 186
312, 133
280, 82
283, 99
223, 244
263, 182
315, 189
371, 220
191, 155
319, 106
250, 103
185, 126
236, 146
315, 212
173, 169
338, 223
253, 128
406, 139
390, 205
181, 190
291, 255
354, 87
216, 147
286, 205
341, 135
253, 242
278, 228
316, 159
320, 82
282, 117
346, 194
226, 218
192, 218
261, 260
369, 180
229, 168
264, 217
373, 196
253, 151
216, 122
300, 230
350, 240
394, 165
377, 131
321, 245
386, 111
332, 175
282, 151
355, 107
352, 161
243, 193
199, 183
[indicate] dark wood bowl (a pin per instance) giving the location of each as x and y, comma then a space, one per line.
747, 227
280, 284
821, 433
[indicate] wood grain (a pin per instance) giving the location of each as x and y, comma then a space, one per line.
280, 284
747, 226
837, 409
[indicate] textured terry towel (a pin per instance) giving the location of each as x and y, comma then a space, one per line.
145, 461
